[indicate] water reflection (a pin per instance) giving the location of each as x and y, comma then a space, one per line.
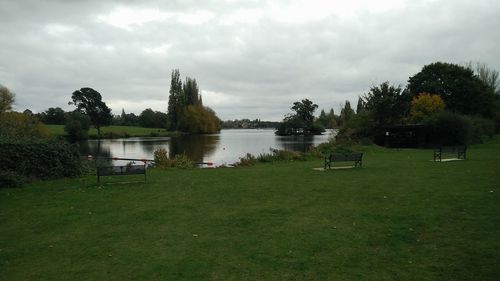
296, 143
195, 146
223, 148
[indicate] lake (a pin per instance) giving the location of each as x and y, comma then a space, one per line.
223, 148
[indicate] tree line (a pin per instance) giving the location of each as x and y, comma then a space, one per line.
444, 103
454, 103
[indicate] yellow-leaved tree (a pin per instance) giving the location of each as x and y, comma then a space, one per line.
425, 104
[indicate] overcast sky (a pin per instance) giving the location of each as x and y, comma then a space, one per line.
252, 59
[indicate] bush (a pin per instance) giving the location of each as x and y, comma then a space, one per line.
280, 155
11, 179
41, 159
482, 128
77, 126
181, 161
15, 126
447, 128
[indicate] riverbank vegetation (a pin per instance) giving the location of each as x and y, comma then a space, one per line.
400, 217
112, 132
443, 104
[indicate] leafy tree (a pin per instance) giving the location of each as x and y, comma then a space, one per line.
77, 126
360, 106
459, 88
175, 100
425, 105
346, 114
199, 120
54, 116
305, 111
185, 99
6, 99
191, 92
89, 102
153, 119
387, 104
18, 126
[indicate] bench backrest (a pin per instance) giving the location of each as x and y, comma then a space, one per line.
338, 157
452, 149
121, 170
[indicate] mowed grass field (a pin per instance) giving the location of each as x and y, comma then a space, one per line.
58, 130
400, 217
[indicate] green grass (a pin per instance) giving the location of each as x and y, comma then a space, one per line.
133, 131
400, 217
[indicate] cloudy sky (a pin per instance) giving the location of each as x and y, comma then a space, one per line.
252, 59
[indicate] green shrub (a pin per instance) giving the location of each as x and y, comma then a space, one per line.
331, 147
162, 160
77, 126
41, 159
447, 128
482, 128
11, 179
181, 161
280, 155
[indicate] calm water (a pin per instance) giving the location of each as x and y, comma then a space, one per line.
223, 148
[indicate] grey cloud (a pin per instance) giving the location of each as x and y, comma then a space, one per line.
51, 48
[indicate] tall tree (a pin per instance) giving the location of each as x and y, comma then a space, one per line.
346, 114
6, 99
175, 100
191, 92
459, 88
387, 104
89, 102
360, 106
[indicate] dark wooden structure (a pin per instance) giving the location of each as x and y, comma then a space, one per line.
357, 158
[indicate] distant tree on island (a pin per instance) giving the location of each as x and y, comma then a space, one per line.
185, 108
302, 121
89, 102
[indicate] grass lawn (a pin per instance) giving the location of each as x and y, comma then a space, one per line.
400, 217
133, 131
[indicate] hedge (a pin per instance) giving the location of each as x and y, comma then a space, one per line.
41, 159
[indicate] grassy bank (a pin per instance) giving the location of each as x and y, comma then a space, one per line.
400, 217
116, 131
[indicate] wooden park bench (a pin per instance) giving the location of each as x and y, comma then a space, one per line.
120, 171
357, 158
459, 151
